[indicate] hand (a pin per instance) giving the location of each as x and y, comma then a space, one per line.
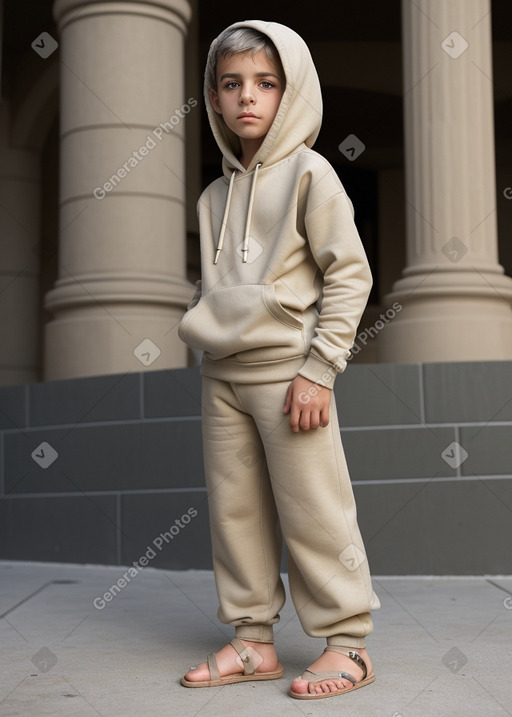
308, 404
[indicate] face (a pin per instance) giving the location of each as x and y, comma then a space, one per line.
249, 90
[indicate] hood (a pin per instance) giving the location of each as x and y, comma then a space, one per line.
299, 116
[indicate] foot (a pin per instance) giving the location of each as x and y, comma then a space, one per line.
329, 661
229, 662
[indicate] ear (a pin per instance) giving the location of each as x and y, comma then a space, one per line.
214, 99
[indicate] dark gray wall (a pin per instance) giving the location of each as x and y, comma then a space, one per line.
129, 465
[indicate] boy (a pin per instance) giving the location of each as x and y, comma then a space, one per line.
284, 283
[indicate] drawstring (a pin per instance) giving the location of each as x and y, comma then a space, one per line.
224, 219
245, 246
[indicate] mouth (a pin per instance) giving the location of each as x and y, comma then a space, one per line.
247, 115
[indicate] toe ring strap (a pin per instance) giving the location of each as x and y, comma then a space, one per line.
311, 676
346, 676
359, 662
349, 653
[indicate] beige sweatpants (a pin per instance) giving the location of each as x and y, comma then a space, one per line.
263, 478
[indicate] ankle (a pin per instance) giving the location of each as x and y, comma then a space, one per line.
255, 633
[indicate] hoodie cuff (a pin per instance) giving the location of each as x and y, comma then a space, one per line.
321, 372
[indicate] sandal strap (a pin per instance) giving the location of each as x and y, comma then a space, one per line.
212, 666
248, 663
311, 676
353, 656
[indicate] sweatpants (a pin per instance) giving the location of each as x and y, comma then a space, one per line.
264, 481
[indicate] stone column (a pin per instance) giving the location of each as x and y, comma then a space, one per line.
19, 265
455, 298
122, 288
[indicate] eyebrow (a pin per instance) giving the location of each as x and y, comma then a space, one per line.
238, 75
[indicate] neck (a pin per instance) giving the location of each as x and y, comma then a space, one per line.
249, 149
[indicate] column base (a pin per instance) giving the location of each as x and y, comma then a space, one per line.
108, 327
449, 316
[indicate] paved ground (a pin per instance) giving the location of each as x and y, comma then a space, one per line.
441, 646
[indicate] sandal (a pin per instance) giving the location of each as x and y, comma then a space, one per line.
311, 676
249, 672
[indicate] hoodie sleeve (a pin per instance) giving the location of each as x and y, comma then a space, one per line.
339, 253
197, 295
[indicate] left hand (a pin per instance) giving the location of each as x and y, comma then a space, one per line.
308, 404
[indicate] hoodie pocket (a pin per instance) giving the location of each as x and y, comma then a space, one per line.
246, 323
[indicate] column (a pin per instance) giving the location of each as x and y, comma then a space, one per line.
19, 266
122, 254
453, 302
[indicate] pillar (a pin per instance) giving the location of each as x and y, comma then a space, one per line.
121, 288
453, 300
19, 266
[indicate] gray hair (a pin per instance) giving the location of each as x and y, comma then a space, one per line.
239, 41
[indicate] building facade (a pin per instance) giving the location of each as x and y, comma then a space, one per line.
105, 149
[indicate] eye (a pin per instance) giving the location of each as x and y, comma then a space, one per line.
231, 85
267, 85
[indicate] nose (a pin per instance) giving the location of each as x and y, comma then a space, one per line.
246, 95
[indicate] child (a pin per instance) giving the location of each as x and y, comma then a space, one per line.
284, 283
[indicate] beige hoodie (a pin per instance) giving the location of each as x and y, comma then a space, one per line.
291, 278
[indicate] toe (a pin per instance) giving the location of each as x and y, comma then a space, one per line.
300, 686
331, 686
199, 673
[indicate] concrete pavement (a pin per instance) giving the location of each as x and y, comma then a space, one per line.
92, 640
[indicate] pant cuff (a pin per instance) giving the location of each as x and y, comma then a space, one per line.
346, 641
255, 633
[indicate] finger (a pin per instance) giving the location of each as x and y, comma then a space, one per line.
295, 418
305, 420
314, 420
295, 412
324, 417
